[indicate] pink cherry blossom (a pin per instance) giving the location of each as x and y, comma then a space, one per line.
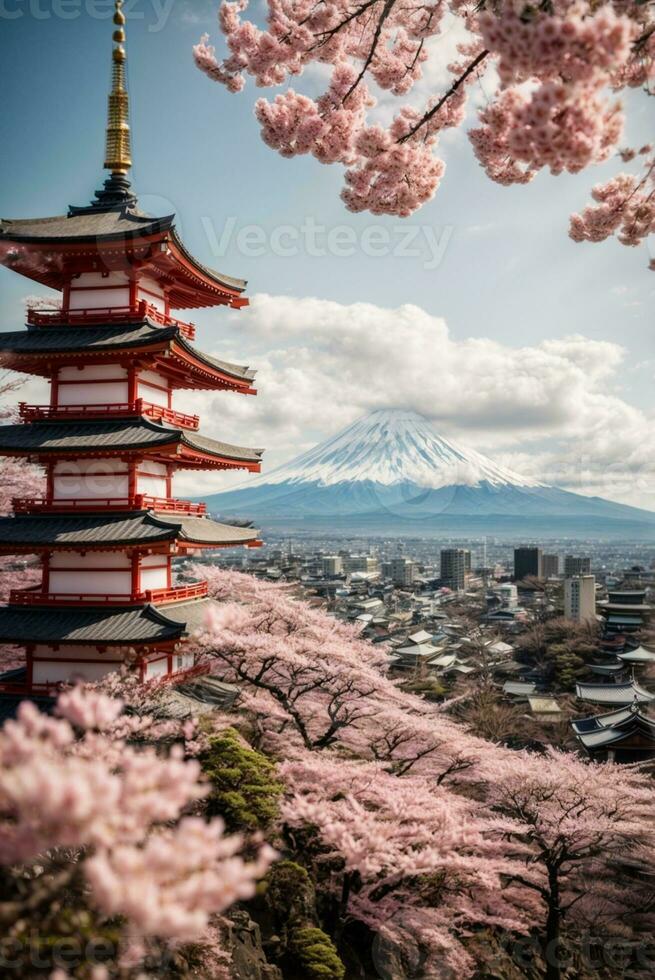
624, 206
549, 73
115, 813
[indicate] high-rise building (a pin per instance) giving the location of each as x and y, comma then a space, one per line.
550, 566
453, 568
403, 571
527, 562
575, 565
107, 527
332, 565
580, 598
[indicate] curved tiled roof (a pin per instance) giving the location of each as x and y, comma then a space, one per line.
202, 530
43, 438
639, 656
114, 626
95, 224
86, 225
612, 694
104, 530
231, 281
52, 340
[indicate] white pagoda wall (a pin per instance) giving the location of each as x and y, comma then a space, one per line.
92, 479
157, 668
152, 479
150, 291
71, 662
93, 573
153, 387
182, 661
93, 291
104, 573
94, 384
154, 572
158, 665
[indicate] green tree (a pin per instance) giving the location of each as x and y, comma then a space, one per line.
245, 790
316, 954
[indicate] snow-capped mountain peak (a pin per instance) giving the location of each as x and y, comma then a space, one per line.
392, 446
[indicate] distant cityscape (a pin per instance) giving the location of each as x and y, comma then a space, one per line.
559, 633
454, 564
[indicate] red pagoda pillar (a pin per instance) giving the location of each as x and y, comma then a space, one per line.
110, 439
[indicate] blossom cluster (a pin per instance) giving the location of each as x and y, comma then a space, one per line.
420, 830
625, 205
576, 45
553, 67
70, 790
554, 127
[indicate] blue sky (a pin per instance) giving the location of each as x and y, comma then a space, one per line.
489, 265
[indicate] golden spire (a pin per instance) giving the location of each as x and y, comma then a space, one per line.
118, 156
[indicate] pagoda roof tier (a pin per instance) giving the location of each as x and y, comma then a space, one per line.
595, 723
51, 250
639, 656
37, 349
120, 437
613, 694
623, 607
127, 530
629, 725
114, 626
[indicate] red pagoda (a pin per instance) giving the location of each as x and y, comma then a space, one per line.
110, 440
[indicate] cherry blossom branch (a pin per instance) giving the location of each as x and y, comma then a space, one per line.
478, 60
388, 7
326, 36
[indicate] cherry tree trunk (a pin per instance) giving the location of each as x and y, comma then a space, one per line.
553, 924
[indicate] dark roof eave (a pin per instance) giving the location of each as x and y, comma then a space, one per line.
116, 626
86, 221
96, 531
125, 435
221, 280
126, 336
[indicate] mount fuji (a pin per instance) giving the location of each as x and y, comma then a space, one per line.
391, 473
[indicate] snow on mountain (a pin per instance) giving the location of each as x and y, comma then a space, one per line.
392, 473
390, 447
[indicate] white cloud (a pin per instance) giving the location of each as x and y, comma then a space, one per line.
322, 364
553, 411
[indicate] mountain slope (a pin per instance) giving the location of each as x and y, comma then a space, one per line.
392, 447
391, 473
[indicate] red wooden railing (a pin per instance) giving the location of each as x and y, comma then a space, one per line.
40, 413
109, 314
28, 505
178, 593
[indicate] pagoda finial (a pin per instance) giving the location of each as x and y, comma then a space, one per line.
118, 157
117, 192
